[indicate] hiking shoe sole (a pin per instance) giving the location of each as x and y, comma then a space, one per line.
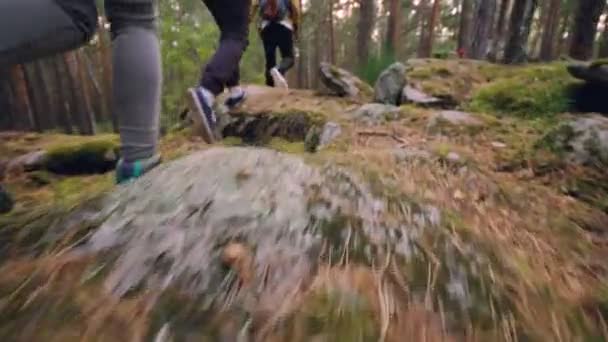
278, 79
197, 108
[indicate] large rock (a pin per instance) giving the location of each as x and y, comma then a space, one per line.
170, 228
32, 161
417, 97
6, 201
390, 84
376, 113
96, 155
581, 141
343, 83
595, 73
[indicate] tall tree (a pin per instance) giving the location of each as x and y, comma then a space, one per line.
367, 11
22, 107
585, 28
550, 30
500, 29
465, 33
483, 24
427, 35
521, 22
393, 30
603, 53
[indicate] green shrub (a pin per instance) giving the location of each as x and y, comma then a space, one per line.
534, 91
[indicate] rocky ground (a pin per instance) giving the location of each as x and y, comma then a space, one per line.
471, 207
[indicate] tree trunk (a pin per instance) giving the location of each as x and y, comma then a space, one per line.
105, 50
34, 92
425, 49
501, 29
585, 28
367, 11
88, 114
63, 97
539, 28
21, 102
521, 22
79, 104
393, 29
548, 44
484, 22
332, 33
562, 40
466, 27
603, 53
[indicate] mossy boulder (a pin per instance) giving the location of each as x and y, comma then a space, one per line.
89, 156
260, 128
6, 201
530, 92
390, 84
453, 81
344, 84
582, 141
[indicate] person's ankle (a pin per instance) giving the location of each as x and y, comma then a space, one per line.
236, 91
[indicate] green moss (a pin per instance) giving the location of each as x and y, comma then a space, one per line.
232, 141
599, 62
536, 91
283, 145
93, 155
40, 178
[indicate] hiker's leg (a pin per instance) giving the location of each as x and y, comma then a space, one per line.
270, 49
31, 29
285, 42
137, 75
233, 21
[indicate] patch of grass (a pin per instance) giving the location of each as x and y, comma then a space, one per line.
530, 92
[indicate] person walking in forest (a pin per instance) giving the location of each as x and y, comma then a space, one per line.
279, 26
222, 71
31, 29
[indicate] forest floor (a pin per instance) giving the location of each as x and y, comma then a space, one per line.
536, 249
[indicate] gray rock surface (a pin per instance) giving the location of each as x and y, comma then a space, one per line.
376, 113
591, 73
344, 83
583, 140
29, 162
331, 131
390, 84
417, 97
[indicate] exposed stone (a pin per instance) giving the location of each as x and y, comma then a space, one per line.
376, 113
343, 83
417, 97
330, 132
594, 73
581, 141
29, 162
390, 84
405, 155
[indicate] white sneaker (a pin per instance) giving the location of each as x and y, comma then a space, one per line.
278, 79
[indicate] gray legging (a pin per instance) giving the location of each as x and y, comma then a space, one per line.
30, 29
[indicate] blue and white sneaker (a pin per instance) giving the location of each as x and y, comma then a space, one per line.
236, 98
128, 171
201, 107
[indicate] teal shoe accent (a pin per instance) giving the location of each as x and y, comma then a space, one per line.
126, 172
